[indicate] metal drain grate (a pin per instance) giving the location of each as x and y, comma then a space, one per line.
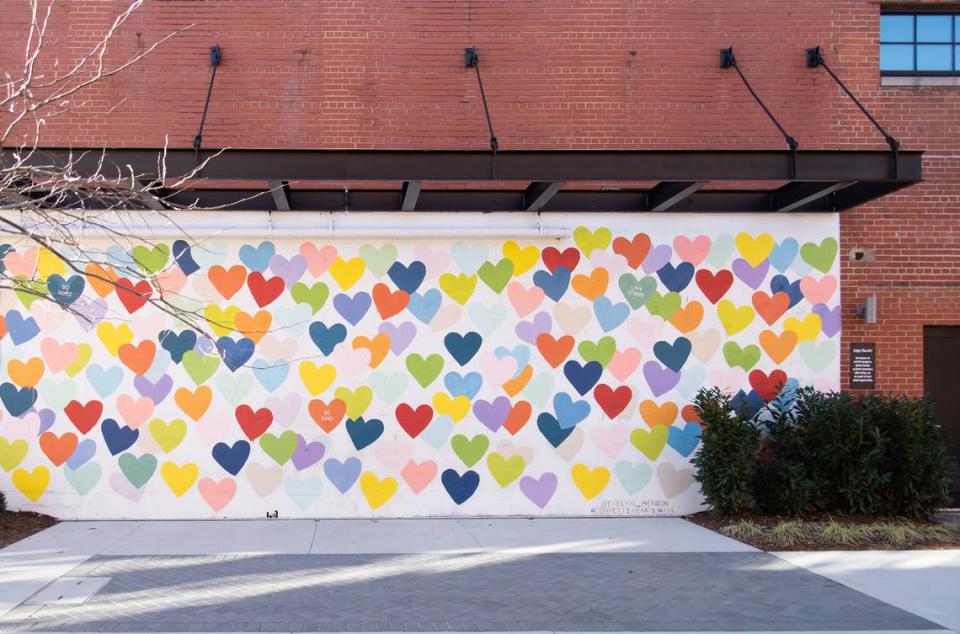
69, 591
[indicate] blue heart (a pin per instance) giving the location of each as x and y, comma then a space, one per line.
408, 278
65, 291
783, 254
86, 450
551, 429
177, 344
326, 338
424, 307
17, 401
257, 258
462, 347
520, 352
4, 250
118, 438
460, 487
685, 440
747, 405
184, 258
582, 377
555, 284
21, 330
120, 258
235, 353
569, 412
232, 458
780, 284
364, 432
676, 278
610, 315
270, 375
467, 385
344, 474
105, 381
352, 308
673, 355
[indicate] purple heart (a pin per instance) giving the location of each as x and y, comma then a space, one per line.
122, 486
204, 346
84, 451
539, 491
492, 414
88, 312
307, 453
156, 392
752, 276
285, 409
47, 417
400, 336
352, 308
660, 379
830, 318
657, 257
290, 270
530, 330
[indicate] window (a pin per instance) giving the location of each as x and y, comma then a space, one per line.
920, 44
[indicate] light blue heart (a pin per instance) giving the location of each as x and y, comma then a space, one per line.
487, 318
684, 439
207, 254
344, 474
610, 315
538, 389
270, 375
303, 489
234, 387
56, 394
568, 411
120, 258
85, 478
691, 380
424, 307
86, 449
388, 387
783, 254
720, 250
520, 352
257, 258
463, 385
158, 368
104, 381
292, 321
469, 257
437, 431
801, 267
633, 477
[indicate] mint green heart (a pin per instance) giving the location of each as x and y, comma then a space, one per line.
745, 357
281, 447
56, 394
820, 256
425, 371
388, 388
637, 291
85, 478
470, 450
539, 389
29, 291
664, 305
314, 296
184, 303
200, 367
151, 259
720, 250
817, 356
138, 471
379, 260
496, 275
633, 477
234, 387
601, 351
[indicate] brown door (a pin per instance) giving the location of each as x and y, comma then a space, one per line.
941, 380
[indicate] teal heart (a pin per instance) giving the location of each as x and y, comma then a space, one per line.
379, 260
85, 478
138, 471
637, 291
633, 477
388, 388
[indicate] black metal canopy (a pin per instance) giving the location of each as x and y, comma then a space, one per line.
524, 180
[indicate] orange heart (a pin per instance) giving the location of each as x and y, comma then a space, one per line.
227, 281
688, 317
555, 351
255, 327
771, 308
327, 416
778, 348
389, 303
518, 416
514, 385
635, 251
690, 415
591, 286
379, 346
58, 448
101, 279
138, 358
26, 373
3, 326
654, 414
194, 404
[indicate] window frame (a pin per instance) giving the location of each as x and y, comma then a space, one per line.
953, 44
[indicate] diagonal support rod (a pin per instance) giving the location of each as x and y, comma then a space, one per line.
472, 60
215, 57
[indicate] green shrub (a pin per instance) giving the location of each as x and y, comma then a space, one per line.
3, 502
784, 484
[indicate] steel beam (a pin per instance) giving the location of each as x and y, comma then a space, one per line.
280, 190
409, 194
667, 195
539, 194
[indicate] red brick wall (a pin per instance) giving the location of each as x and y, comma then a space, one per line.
573, 74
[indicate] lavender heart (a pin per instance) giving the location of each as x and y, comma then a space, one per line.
492, 414
88, 312
539, 491
830, 318
530, 330
657, 257
285, 409
289, 270
752, 276
400, 336
660, 379
82, 454
155, 391
47, 418
307, 453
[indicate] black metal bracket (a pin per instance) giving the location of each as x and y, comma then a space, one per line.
472, 60
729, 60
814, 60
216, 56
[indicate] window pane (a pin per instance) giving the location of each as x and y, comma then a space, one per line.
956, 58
896, 57
934, 28
896, 28
933, 57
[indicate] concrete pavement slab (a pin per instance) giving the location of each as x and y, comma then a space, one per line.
393, 536
205, 537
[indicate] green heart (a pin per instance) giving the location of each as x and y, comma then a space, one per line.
56, 394
184, 303
85, 478
425, 371
496, 275
664, 305
470, 451
650, 443
820, 257
817, 356
200, 367
505, 471
151, 259
379, 260
539, 389
388, 388
32, 290
601, 351
281, 447
745, 357
314, 296
137, 470
637, 291
234, 387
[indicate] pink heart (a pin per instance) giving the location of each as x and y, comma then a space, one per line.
22, 263
318, 260
498, 371
212, 428
122, 486
49, 315
524, 300
692, 251
436, 262
623, 363
446, 317
217, 494
148, 323
350, 362
58, 355
610, 439
172, 280
394, 455
418, 476
275, 349
818, 291
134, 411
646, 330
26, 428
727, 379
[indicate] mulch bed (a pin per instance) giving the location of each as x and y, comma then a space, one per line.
809, 542
15, 526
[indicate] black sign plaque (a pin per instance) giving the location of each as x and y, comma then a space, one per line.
863, 366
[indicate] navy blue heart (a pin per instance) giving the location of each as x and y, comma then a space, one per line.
747, 405
555, 284
65, 291
184, 258
408, 278
235, 353
460, 487
673, 355
326, 338
232, 458
780, 284
582, 377
118, 438
4, 250
21, 330
17, 401
676, 278
177, 344
364, 432
462, 347
550, 427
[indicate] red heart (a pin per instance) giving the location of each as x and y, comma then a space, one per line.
555, 351
133, 296
690, 415
253, 423
612, 401
84, 417
714, 285
767, 387
518, 417
412, 420
3, 326
264, 291
553, 258
389, 304
635, 251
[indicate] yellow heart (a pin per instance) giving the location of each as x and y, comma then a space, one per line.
49, 264
32, 484
114, 336
357, 400
590, 241
458, 287
523, 258
178, 478
12, 453
807, 330
754, 250
456, 407
733, 318
590, 481
168, 435
377, 491
80, 361
317, 378
346, 273
221, 320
